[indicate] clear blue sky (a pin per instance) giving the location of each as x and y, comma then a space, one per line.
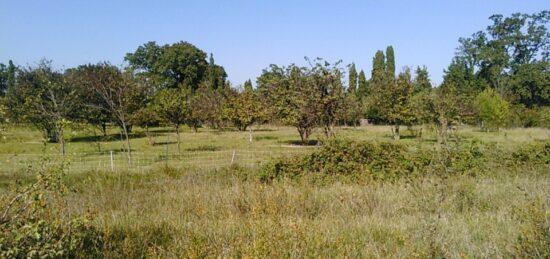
247, 36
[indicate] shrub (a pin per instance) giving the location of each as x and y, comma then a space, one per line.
375, 160
492, 109
33, 221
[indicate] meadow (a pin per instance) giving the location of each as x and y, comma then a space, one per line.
183, 210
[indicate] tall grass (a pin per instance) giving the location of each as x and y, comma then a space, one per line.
219, 214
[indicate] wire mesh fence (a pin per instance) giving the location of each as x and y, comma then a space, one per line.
120, 161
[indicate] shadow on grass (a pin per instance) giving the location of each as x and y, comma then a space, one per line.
163, 143
259, 138
108, 138
204, 148
311, 142
263, 130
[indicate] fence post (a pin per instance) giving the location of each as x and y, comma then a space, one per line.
112, 162
233, 157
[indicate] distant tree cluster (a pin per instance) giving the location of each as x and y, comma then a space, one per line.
499, 77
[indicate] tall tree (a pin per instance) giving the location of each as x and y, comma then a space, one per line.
378, 65
181, 64
363, 88
390, 62
506, 50
215, 75
352, 80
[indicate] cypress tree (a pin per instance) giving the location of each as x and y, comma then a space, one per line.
352, 84
363, 87
390, 62
378, 64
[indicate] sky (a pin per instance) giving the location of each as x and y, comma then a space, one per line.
247, 36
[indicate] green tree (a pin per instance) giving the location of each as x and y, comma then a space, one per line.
511, 50
390, 62
173, 105
304, 97
531, 84
111, 92
492, 109
43, 98
396, 102
178, 65
8, 75
378, 66
145, 118
215, 75
245, 109
422, 80
352, 80
363, 88
208, 104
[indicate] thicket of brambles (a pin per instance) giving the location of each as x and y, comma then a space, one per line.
499, 77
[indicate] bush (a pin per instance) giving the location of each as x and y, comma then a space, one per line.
33, 222
376, 160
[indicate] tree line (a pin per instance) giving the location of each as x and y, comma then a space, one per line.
499, 77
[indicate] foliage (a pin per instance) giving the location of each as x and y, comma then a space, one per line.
511, 55
379, 161
352, 80
178, 65
173, 105
43, 98
111, 92
362, 85
390, 62
531, 84
422, 80
34, 221
492, 109
7, 77
534, 239
392, 101
245, 109
304, 97
208, 104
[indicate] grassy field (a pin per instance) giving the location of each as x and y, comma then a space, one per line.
228, 212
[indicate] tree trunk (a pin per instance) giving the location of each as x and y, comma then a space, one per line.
61, 140
104, 128
396, 135
442, 132
129, 149
178, 138
96, 138
148, 134
303, 137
